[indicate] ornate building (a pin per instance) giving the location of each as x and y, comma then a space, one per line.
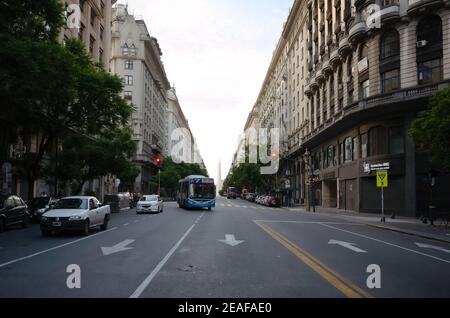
358, 74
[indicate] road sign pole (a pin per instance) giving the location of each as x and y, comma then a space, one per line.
383, 219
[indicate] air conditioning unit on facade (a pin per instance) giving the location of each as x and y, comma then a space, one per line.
422, 43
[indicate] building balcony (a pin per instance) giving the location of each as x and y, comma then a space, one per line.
390, 14
314, 84
327, 70
308, 90
344, 46
335, 59
357, 32
403, 100
416, 7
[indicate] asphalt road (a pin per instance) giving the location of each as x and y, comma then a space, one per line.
240, 250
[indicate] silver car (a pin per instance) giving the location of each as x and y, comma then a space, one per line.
150, 204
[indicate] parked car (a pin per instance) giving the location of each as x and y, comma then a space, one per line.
76, 214
38, 206
13, 211
150, 204
273, 202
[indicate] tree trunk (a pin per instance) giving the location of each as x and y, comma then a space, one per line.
33, 169
80, 186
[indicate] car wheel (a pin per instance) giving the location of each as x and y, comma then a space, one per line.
104, 226
26, 221
209, 209
46, 233
86, 228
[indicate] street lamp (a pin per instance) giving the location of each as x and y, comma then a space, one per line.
306, 158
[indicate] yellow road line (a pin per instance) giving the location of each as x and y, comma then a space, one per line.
347, 288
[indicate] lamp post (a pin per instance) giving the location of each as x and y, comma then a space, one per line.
306, 158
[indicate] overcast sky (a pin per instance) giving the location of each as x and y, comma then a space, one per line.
217, 53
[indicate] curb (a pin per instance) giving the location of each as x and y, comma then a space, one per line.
388, 228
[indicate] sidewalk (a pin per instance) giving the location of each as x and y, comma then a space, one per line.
406, 225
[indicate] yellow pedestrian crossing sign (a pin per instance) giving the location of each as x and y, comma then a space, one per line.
382, 179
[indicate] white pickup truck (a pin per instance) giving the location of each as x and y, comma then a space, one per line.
76, 214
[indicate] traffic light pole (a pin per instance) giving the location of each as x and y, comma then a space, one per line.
159, 181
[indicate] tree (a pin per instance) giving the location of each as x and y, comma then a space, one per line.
53, 90
171, 173
83, 158
430, 132
32, 19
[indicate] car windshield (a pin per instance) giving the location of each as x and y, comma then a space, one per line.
73, 204
39, 202
150, 198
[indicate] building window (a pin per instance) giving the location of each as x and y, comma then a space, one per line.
331, 156
92, 17
364, 141
80, 32
129, 64
430, 71
355, 148
102, 31
82, 5
429, 50
91, 44
348, 152
377, 141
389, 45
386, 3
341, 153
390, 81
127, 95
100, 55
396, 141
125, 50
364, 89
128, 80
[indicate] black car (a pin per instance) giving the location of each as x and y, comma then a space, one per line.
38, 206
13, 211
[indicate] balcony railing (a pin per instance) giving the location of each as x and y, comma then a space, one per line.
418, 6
403, 95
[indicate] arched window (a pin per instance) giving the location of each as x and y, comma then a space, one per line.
389, 45
390, 61
377, 141
429, 50
363, 51
348, 151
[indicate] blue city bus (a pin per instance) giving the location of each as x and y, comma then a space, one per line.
196, 192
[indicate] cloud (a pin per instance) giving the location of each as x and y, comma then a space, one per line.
217, 52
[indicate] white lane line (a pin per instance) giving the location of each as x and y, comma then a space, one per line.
253, 207
126, 224
229, 205
387, 243
138, 292
54, 248
309, 222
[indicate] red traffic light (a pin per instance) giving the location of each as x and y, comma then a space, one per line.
158, 160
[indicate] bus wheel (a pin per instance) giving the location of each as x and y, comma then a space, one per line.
209, 209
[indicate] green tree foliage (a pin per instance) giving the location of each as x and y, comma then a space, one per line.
172, 172
245, 175
52, 90
33, 19
83, 158
430, 132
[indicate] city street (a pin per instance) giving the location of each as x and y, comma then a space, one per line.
239, 250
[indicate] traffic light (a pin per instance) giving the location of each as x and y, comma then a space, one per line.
158, 161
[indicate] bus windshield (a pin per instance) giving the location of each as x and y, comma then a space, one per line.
202, 191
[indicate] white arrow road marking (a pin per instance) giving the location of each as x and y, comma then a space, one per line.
122, 246
350, 246
231, 240
437, 248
